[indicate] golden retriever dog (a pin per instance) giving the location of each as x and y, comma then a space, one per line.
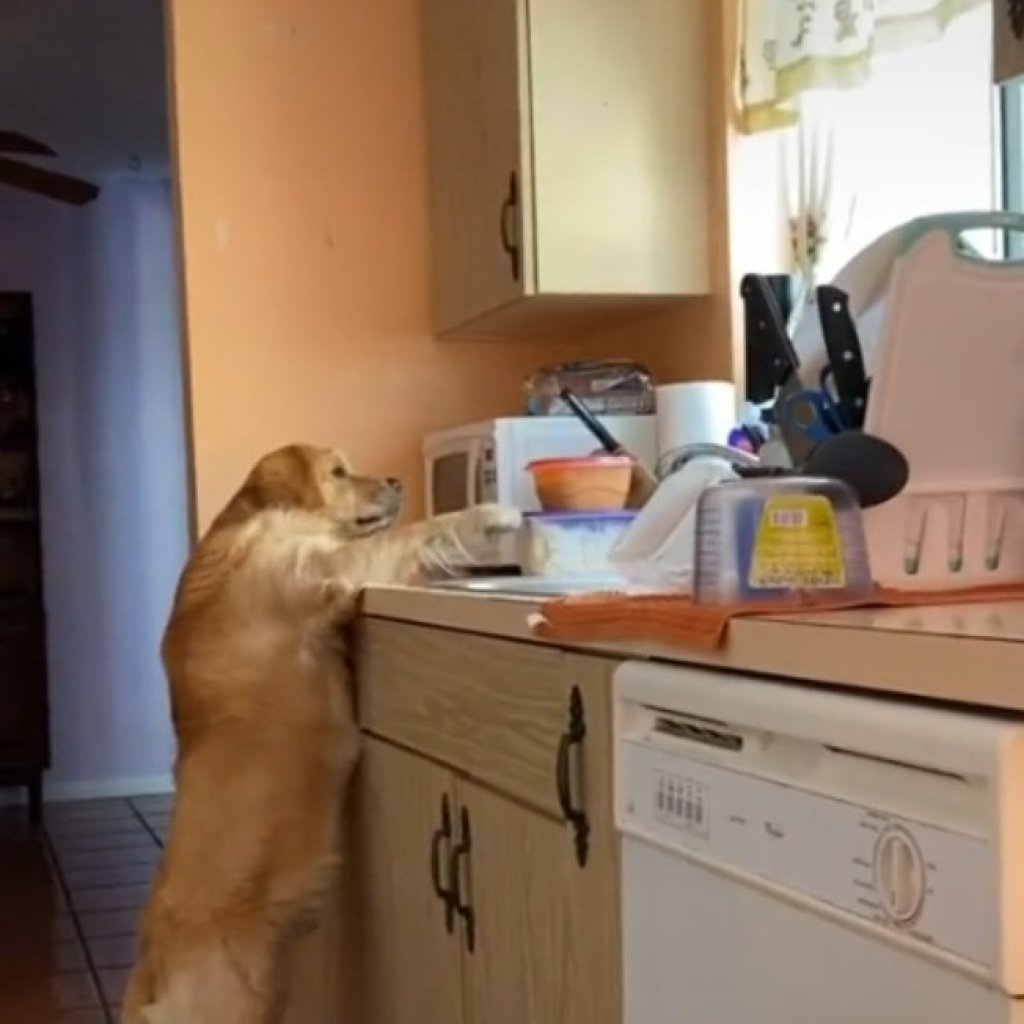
255, 654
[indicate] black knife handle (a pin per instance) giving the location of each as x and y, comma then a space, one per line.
764, 319
842, 345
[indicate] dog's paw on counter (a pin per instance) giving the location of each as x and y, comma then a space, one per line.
496, 520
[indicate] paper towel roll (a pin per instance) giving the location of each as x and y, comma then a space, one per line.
698, 412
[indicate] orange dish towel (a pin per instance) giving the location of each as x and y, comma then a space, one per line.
675, 620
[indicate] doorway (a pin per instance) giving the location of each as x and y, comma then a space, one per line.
89, 241
94, 494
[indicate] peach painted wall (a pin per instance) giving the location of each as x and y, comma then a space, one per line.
302, 181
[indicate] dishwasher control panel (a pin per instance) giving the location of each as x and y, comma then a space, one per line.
933, 885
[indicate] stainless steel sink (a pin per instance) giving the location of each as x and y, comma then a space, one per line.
526, 586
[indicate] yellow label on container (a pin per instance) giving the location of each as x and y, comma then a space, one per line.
798, 545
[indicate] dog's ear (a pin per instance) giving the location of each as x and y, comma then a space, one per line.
285, 478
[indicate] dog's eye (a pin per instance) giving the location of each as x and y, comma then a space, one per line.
339, 472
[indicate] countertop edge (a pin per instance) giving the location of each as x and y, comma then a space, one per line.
875, 651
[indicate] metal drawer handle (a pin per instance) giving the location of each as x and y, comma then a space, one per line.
508, 207
571, 740
460, 901
442, 836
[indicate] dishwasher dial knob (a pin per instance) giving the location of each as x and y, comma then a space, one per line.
899, 875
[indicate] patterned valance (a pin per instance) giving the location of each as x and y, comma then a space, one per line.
790, 47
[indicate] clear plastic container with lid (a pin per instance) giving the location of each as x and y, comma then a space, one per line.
574, 544
780, 540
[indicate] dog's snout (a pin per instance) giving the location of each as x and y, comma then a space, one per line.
393, 483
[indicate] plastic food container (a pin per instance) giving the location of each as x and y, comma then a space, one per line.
572, 543
607, 387
776, 540
589, 483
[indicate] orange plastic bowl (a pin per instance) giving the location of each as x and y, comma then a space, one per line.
590, 483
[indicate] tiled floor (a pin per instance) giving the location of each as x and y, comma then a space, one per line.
69, 901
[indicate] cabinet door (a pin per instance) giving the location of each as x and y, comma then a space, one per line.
1008, 28
476, 89
545, 929
408, 964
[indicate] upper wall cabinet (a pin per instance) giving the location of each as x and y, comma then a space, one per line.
1008, 25
568, 158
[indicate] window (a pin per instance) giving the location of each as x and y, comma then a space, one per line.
1012, 157
922, 136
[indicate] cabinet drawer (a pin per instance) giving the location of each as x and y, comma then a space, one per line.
493, 709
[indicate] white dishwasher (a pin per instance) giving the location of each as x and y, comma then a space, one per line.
798, 856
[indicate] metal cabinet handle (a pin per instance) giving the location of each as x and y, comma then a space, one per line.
1015, 12
571, 740
442, 837
460, 899
508, 209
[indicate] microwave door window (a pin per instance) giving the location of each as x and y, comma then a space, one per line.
450, 482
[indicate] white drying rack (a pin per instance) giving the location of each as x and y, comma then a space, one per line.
948, 391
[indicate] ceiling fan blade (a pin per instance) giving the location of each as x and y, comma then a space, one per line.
47, 183
15, 142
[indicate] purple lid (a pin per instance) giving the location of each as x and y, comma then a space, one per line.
613, 516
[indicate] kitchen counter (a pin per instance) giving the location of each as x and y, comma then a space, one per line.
971, 654
471, 725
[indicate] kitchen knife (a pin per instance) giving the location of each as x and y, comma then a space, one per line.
766, 328
842, 344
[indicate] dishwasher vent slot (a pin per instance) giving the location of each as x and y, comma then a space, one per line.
895, 763
697, 732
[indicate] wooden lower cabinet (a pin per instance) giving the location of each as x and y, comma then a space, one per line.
468, 901
544, 940
409, 964
534, 936
384, 952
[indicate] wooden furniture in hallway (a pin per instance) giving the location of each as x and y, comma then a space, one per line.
24, 732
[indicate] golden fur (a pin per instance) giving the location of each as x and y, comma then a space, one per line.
256, 662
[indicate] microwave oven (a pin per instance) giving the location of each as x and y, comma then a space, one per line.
486, 462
